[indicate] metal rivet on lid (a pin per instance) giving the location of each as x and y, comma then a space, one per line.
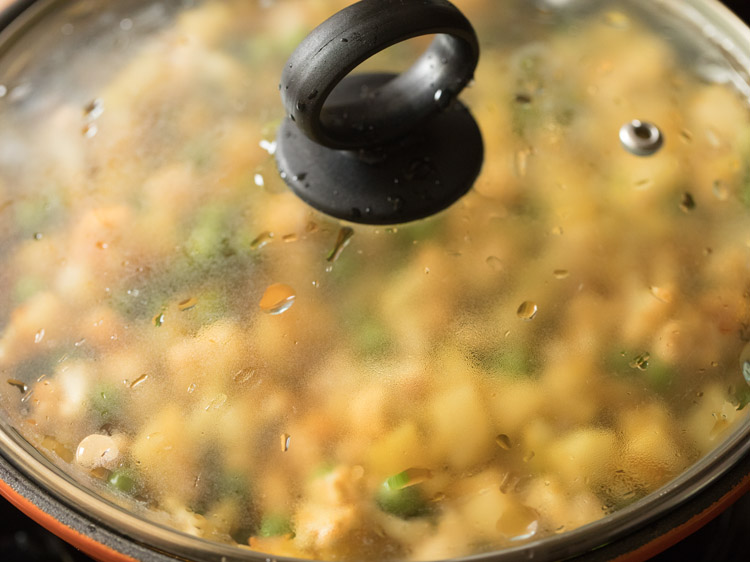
641, 138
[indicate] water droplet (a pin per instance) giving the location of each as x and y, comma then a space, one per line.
643, 183
342, 241
301, 106
39, 336
217, 402
503, 441
518, 522
259, 181
522, 161
409, 477
89, 130
289, 237
426, 270
243, 375
187, 304
285, 441
93, 110
268, 146
640, 362
528, 456
261, 240
126, 24
662, 295
38, 236
140, 380
561, 273
687, 203
191, 388
523, 99
396, 201
278, 298
721, 190
20, 385
527, 310
438, 95
494, 263
158, 320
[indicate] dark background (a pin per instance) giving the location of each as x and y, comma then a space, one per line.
726, 539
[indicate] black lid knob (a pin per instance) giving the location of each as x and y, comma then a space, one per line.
381, 148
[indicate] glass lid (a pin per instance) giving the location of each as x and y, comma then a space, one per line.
186, 338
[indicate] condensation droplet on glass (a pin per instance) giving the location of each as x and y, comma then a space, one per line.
277, 298
290, 237
494, 263
93, 110
243, 375
285, 442
527, 310
528, 456
503, 441
217, 402
518, 522
342, 241
89, 130
140, 380
522, 161
39, 336
126, 24
720, 190
259, 181
191, 388
187, 304
561, 273
662, 294
426, 270
20, 385
158, 319
640, 362
261, 240
268, 146
687, 202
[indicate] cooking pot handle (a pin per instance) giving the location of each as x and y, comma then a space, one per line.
350, 37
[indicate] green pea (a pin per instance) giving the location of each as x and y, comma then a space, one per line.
274, 525
397, 498
123, 480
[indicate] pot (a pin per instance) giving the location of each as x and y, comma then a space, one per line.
198, 364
